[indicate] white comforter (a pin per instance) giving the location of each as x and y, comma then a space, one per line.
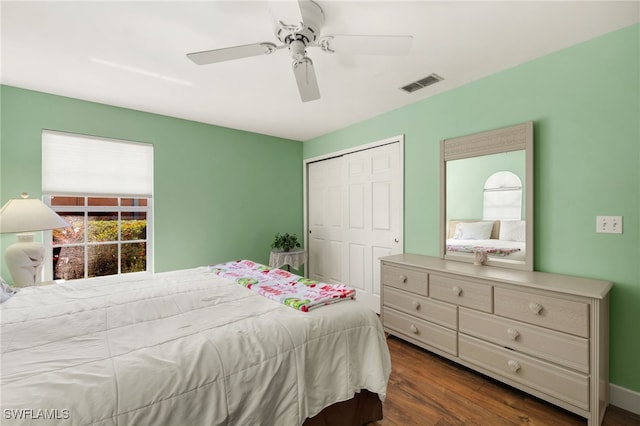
184, 348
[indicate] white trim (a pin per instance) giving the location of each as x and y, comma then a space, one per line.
399, 138
395, 139
624, 398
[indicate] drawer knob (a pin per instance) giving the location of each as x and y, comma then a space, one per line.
403, 278
513, 333
416, 305
413, 329
513, 365
536, 308
456, 291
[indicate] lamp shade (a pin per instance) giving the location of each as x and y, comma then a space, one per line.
27, 215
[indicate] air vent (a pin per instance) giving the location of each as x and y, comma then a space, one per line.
422, 83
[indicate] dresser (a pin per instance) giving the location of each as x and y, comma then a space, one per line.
546, 334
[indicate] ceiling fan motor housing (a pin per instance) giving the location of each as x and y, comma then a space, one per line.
306, 31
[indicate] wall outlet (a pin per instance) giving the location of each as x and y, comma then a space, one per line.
609, 224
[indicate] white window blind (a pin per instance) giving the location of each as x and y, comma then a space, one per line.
502, 197
87, 165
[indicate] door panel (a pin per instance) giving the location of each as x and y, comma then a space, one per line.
356, 207
355, 217
381, 206
325, 220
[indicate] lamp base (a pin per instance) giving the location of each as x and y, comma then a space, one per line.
25, 260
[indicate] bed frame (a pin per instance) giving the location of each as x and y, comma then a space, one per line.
365, 407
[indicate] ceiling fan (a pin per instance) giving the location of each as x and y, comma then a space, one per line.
297, 37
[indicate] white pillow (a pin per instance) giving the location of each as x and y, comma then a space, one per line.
513, 230
473, 230
5, 291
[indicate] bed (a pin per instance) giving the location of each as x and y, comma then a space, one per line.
497, 238
187, 347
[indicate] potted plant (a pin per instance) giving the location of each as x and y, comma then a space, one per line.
285, 242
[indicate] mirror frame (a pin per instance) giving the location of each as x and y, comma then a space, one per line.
507, 139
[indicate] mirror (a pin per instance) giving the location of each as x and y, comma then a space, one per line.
486, 187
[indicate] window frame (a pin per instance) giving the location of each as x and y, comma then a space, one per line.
498, 190
86, 209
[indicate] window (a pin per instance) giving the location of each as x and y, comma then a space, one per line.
108, 236
103, 189
502, 197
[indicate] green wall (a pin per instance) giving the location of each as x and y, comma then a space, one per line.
466, 178
584, 102
213, 188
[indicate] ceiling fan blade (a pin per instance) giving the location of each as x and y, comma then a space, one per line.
286, 12
296, 15
306, 79
389, 45
311, 13
231, 53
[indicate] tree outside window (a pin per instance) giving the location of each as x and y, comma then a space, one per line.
107, 236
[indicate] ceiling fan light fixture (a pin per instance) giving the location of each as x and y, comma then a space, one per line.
297, 49
422, 83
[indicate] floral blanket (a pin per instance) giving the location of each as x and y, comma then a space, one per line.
289, 289
496, 251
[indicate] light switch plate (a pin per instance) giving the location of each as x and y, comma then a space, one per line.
609, 224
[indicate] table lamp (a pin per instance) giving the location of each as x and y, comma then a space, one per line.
24, 216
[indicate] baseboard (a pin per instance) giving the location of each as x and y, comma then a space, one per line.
624, 398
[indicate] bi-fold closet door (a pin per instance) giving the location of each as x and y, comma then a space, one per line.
354, 217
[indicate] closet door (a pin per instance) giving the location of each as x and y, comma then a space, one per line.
355, 217
373, 217
325, 235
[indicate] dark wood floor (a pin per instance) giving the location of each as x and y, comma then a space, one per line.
425, 389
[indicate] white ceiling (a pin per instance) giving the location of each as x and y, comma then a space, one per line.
132, 54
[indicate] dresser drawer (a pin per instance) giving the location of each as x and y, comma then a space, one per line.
461, 292
551, 312
431, 310
405, 279
565, 385
565, 349
430, 334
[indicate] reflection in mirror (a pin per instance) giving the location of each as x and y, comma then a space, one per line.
487, 198
502, 198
